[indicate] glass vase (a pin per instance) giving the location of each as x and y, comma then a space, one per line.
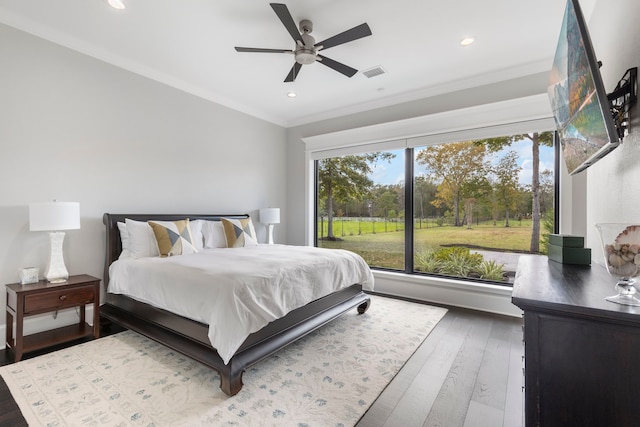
621, 249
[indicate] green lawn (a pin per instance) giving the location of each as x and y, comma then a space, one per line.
386, 249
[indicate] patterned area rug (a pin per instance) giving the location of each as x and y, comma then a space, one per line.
328, 378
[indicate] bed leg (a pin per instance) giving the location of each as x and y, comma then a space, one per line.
231, 381
364, 306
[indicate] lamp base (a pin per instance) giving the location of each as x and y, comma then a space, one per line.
270, 231
56, 271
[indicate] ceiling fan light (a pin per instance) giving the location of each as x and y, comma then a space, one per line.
467, 41
116, 4
305, 56
291, 94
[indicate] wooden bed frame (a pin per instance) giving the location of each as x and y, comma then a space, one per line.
190, 337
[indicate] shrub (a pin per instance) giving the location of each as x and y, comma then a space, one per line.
491, 270
427, 262
457, 265
547, 227
460, 254
458, 261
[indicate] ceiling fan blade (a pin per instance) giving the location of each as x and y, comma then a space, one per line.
355, 33
339, 67
256, 49
283, 13
295, 70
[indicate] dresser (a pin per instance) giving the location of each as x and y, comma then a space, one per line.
582, 353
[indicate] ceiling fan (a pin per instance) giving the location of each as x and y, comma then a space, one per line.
306, 48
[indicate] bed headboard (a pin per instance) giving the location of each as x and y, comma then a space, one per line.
114, 244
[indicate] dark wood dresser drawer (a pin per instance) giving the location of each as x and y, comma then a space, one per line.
58, 299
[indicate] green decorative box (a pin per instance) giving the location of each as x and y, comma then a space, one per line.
566, 241
568, 255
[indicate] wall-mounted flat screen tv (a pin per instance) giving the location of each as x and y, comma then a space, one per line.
578, 98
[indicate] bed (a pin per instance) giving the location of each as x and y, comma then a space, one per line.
192, 337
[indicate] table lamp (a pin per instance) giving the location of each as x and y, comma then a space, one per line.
55, 217
270, 216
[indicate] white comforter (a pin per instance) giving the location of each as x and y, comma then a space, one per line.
238, 291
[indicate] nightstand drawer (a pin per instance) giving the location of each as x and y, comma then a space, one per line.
63, 298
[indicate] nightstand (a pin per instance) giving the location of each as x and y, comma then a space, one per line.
43, 297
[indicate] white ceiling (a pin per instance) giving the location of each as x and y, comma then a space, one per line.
189, 44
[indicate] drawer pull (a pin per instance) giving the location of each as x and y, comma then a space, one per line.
63, 297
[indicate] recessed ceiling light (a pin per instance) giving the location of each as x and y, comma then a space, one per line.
291, 94
116, 4
467, 41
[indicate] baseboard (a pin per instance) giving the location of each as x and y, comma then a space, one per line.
46, 321
457, 293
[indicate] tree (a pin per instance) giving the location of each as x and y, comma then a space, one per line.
474, 191
341, 179
454, 164
468, 211
546, 191
506, 172
536, 138
385, 205
424, 189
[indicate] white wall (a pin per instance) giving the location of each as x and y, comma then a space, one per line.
73, 128
612, 193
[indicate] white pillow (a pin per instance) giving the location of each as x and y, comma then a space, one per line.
213, 234
196, 232
173, 237
239, 232
124, 238
142, 241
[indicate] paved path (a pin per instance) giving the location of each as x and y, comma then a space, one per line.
509, 259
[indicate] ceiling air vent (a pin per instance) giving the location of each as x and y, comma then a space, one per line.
375, 71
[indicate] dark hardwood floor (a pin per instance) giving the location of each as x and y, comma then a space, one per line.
467, 373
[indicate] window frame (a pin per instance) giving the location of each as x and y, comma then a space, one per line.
521, 115
409, 219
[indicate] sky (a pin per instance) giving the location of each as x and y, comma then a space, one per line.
393, 173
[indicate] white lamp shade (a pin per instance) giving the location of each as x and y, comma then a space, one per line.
270, 216
53, 216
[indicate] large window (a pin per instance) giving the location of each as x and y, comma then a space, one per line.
464, 209
361, 206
